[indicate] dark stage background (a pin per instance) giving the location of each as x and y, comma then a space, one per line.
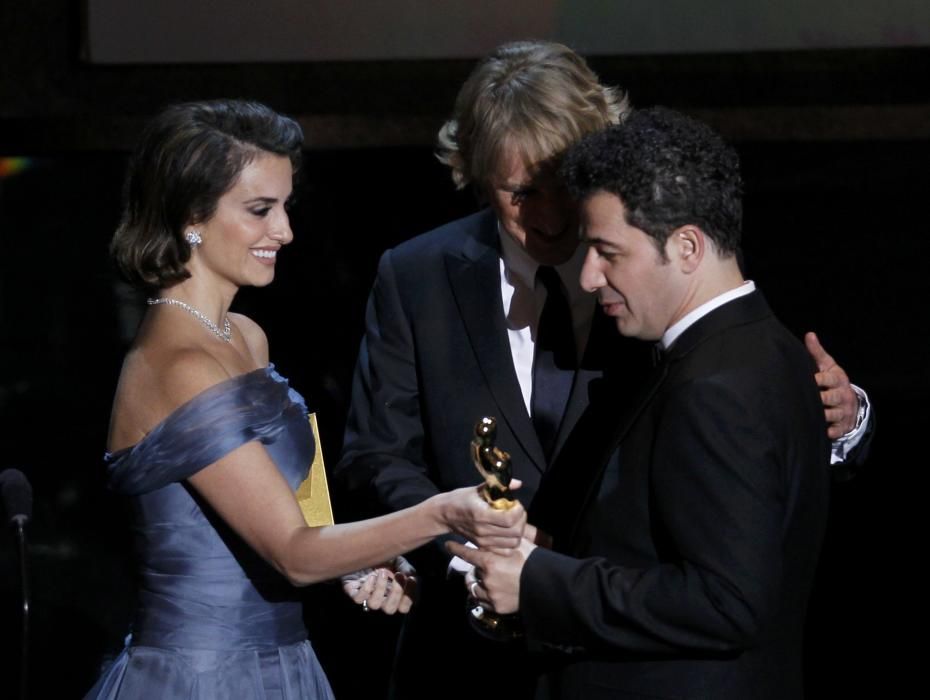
835, 146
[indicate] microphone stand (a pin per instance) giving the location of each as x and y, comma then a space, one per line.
16, 495
19, 521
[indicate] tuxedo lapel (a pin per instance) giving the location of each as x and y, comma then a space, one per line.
590, 369
598, 462
747, 309
607, 355
474, 278
577, 402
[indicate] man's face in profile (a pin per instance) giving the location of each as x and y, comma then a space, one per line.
635, 285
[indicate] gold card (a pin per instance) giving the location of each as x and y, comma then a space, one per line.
313, 493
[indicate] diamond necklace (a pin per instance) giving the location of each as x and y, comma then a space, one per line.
225, 334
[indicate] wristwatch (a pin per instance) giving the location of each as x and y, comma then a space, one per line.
863, 409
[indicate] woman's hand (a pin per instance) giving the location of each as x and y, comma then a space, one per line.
465, 512
389, 588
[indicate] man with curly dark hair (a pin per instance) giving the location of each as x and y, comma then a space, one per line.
484, 316
686, 569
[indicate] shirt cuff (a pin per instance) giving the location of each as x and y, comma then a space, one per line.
841, 447
457, 565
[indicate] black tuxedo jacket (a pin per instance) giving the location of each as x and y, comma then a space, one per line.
434, 360
688, 528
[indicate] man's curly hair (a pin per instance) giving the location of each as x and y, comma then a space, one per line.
669, 170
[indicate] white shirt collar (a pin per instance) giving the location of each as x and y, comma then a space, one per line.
680, 326
520, 266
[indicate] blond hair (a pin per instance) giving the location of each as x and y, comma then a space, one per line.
538, 96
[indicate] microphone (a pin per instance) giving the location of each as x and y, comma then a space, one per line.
16, 495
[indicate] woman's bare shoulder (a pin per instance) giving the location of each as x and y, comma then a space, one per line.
153, 383
254, 337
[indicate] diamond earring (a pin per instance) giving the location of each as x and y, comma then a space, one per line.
193, 238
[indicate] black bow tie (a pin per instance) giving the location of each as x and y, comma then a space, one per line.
658, 355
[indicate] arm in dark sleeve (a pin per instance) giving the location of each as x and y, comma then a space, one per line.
719, 505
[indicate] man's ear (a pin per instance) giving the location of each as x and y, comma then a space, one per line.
686, 247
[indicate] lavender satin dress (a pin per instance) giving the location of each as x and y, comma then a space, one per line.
213, 620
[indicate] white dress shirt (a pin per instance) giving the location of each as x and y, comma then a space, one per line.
523, 303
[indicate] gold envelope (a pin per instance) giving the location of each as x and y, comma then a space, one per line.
313, 493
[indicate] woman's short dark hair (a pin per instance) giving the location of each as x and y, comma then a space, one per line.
189, 156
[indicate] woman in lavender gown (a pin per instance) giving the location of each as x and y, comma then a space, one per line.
208, 440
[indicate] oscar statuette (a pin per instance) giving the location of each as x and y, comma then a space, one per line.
494, 466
